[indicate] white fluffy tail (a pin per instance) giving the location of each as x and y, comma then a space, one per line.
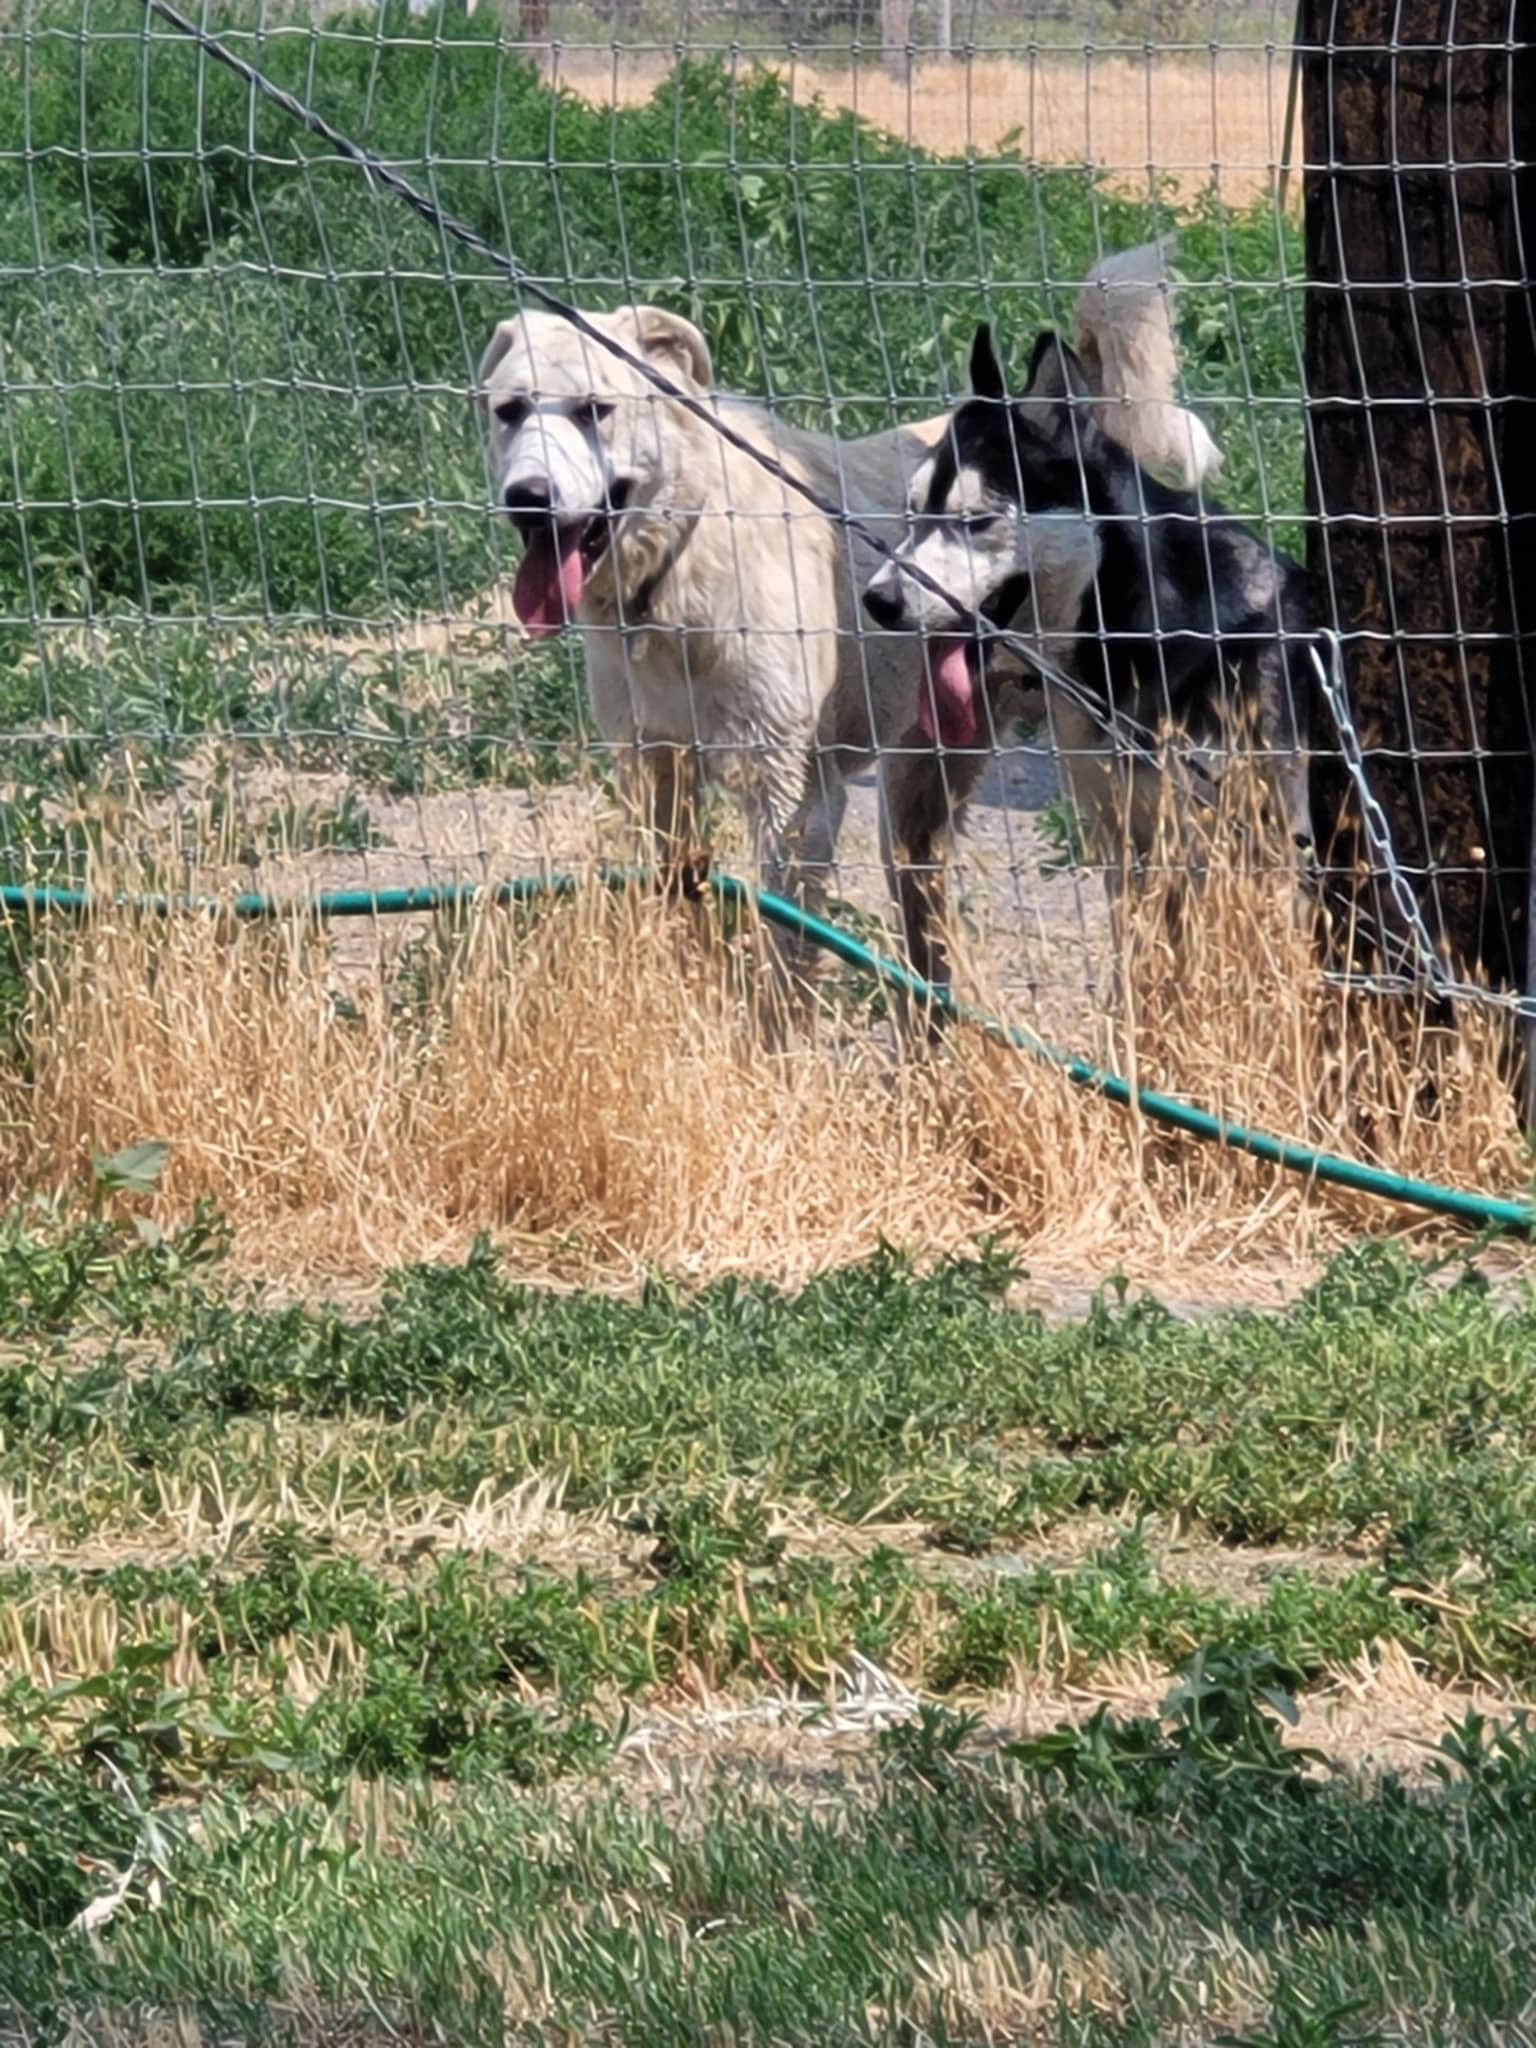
1125, 336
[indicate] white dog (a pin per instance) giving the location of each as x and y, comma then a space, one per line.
720, 612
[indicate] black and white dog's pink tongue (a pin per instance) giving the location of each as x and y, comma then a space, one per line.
949, 695
549, 581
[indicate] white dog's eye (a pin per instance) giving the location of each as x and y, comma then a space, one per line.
512, 412
978, 522
587, 416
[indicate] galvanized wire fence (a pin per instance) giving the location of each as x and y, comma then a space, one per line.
256, 597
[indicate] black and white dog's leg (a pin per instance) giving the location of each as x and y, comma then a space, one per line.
1284, 694
1113, 798
922, 792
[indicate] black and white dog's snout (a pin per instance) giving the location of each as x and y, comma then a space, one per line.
888, 608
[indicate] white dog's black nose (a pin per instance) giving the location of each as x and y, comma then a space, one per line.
529, 499
885, 608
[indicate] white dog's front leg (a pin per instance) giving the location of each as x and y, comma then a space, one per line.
660, 786
795, 840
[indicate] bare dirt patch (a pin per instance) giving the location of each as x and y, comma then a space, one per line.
1381, 1715
1217, 115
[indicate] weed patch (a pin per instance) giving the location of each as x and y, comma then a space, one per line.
1164, 1887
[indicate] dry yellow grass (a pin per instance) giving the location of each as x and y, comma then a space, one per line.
1234, 1015
1191, 117
589, 1086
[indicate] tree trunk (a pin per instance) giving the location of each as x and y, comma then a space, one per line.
1411, 342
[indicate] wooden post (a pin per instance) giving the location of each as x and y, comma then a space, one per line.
1411, 317
895, 33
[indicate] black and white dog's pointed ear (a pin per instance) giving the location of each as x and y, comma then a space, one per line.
1056, 370
986, 370
1058, 400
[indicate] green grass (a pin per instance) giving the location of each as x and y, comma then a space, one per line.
105, 725
876, 1391
234, 413
460, 1669
1379, 1400
248, 1626
1151, 1885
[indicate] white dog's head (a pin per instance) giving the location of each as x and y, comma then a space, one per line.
576, 440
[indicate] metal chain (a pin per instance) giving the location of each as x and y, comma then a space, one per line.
1378, 832
1428, 968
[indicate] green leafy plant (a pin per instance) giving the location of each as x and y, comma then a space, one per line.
1062, 830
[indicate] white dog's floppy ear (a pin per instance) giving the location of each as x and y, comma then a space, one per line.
672, 343
495, 349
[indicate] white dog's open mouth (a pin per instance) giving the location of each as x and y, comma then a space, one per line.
558, 557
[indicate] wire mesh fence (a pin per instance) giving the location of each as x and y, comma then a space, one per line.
258, 595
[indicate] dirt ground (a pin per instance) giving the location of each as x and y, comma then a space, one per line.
1383, 1714
1038, 931
1196, 116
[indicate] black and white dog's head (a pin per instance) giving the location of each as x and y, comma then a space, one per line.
1002, 516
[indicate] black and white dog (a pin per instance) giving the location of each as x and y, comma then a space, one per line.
1181, 634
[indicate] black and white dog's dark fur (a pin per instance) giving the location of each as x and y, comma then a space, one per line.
1168, 614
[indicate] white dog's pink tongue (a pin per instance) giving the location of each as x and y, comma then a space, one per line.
549, 582
953, 694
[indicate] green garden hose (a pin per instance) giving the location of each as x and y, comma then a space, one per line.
1488, 1212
